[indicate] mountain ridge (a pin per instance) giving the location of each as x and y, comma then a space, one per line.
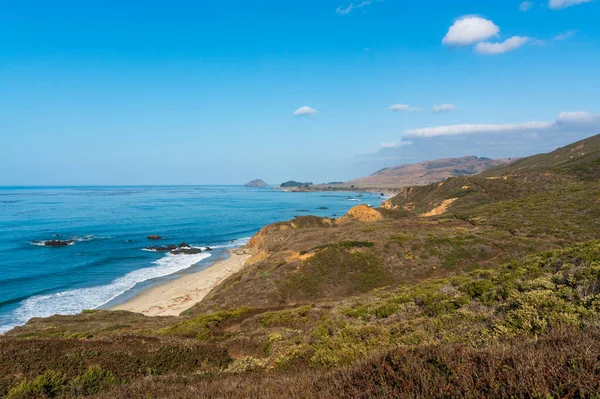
426, 172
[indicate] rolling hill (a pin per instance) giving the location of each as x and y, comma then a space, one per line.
427, 172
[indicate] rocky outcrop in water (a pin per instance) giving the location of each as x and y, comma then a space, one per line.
55, 243
181, 249
256, 183
155, 237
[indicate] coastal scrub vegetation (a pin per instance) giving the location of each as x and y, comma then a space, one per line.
498, 295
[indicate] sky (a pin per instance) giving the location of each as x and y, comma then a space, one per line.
223, 92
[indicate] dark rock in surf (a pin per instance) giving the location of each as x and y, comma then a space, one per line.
56, 243
165, 248
186, 251
181, 249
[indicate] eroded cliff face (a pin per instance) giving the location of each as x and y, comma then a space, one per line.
271, 236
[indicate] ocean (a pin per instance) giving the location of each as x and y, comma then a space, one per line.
108, 261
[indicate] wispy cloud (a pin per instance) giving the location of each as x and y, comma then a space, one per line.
470, 29
558, 38
343, 10
401, 143
526, 6
388, 149
560, 4
444, 108
403, 108
305, 111
567, 122
566, 35
511, 44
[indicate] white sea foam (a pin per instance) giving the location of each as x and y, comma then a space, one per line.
73, 240
235, 243
74, 301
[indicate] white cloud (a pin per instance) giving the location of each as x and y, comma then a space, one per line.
458, 130
401, 143
566, 122
578, 117
513, 43
444, 108
526, 6
348, 9
388, 149
345, 10
469, 30
305, 111
403, 108
559, 4
566, 35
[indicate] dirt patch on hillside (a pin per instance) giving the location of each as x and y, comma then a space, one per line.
440, 210
361, 213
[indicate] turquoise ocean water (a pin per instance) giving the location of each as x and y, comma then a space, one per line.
107, 262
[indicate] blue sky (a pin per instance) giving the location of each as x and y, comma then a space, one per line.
204, 92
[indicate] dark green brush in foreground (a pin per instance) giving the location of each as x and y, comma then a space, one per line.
480, 286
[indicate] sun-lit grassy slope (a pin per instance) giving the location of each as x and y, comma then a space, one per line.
495, 292
581, 159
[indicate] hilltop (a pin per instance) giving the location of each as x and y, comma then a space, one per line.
476, 285
256, 183
427, 172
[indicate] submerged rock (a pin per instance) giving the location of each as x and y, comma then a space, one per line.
155, 237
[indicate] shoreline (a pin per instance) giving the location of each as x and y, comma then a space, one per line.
174, 296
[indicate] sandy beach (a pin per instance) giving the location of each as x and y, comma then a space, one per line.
173, 297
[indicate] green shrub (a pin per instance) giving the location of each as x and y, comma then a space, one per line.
348, 345
386, 309
348, 245
93, 381
290, 317
535, 311
50, 384
202, 327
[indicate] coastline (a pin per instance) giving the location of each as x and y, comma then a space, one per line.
173, 297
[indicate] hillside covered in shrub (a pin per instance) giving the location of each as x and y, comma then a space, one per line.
486, 285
